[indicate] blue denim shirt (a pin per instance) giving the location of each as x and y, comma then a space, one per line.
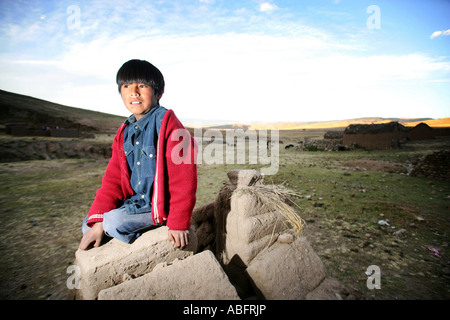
140, 140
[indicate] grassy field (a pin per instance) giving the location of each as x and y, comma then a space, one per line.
342, 196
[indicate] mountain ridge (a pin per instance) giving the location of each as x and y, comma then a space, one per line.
35, 112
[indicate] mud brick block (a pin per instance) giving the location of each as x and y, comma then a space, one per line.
116, 261
286, 271
198, 277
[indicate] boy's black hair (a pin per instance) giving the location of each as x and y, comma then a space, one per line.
141, 71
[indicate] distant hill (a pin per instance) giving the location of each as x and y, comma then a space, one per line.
437, 123
17, 108
335, 124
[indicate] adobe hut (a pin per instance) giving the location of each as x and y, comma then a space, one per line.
420, 132
441, 132
375, 136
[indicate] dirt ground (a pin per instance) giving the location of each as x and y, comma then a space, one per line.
373, 165
343, 198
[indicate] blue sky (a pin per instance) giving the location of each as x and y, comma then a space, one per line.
250, 60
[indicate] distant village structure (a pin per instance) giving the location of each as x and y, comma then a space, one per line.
375, 136
381, 136
386, 135
420, 132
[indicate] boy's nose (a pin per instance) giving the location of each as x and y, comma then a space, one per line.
134, 91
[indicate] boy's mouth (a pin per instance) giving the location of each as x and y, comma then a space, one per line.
135, 102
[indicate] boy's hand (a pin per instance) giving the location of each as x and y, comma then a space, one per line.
95, 234
180, 238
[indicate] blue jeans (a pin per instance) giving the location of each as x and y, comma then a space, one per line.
125, 227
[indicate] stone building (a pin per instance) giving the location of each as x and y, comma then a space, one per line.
375, 136
420, 132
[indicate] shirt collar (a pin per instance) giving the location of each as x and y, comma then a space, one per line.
141, 123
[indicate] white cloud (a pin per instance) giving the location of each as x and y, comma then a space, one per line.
440, 33
268, 69
235, 76
267, 7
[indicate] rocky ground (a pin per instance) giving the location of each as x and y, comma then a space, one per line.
344, 199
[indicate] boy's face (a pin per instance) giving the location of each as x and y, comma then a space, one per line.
139, 98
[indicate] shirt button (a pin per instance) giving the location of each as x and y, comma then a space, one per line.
137, 142
138, 163
142, 196
151, 155
135, 127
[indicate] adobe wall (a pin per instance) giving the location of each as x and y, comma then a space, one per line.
434, 165
382, 140
441, 132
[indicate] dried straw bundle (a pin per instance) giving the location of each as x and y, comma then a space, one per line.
275, 198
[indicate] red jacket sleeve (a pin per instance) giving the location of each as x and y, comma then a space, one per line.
115, 186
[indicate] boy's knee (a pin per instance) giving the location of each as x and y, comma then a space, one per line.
118, 224
110, 224
84, 226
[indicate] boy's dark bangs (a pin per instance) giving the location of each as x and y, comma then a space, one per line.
139, 71
132, 75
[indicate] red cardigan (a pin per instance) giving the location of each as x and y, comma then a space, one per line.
175, 182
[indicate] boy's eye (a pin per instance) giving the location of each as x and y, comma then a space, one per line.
129, 85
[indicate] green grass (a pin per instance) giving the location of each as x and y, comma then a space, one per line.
342, 207
348, 205
42, 204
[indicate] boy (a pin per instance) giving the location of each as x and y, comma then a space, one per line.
145, 183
